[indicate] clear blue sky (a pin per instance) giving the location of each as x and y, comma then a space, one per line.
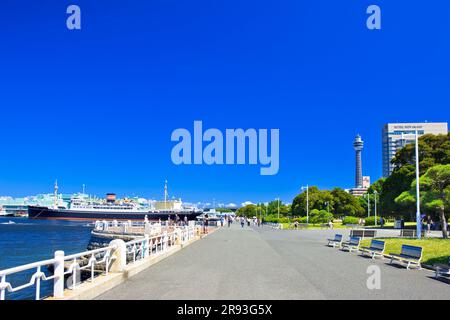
97, 106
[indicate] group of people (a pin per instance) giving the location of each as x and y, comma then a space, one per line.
428, 224
250, 221
177, 221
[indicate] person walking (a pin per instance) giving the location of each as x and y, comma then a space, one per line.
186, 221
205, 223
242, 222
429, 223
229, 221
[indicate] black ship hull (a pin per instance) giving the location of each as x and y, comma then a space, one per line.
64, 214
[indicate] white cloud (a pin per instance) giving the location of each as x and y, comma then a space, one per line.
246, 203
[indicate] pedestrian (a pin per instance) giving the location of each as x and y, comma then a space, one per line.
230, 220
429, 223
205, 223
186, 221
330, 224
295, 224
221, 221
242, 222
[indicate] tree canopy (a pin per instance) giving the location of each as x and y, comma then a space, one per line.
434, 193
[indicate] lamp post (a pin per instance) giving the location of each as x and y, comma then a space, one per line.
367, 195
278, 202
327, 203
375, 199
418, 222
307, 202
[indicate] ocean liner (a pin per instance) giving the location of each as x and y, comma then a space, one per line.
82, 208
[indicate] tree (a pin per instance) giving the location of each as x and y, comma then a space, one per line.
272, 208
346, 204
247, 211
434, 193
318, 199
433, 150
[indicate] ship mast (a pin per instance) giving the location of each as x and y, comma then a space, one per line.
55, 196
165, 195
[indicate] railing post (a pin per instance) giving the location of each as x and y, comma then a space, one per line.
146, 245
178, 235
58, 281
120, 254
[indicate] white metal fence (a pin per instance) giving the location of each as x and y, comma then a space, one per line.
273, 225
92, 264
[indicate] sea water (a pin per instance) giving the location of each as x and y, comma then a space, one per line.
25, 241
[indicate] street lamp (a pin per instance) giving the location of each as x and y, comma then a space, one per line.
375, 196
418, 222
278, 202
307, 202
367, 195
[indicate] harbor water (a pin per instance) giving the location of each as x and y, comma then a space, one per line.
25, 241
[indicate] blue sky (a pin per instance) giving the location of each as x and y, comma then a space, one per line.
97, 106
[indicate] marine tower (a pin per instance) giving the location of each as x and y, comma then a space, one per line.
358, 144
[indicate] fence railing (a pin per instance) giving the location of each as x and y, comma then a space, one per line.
273, 225
113, 258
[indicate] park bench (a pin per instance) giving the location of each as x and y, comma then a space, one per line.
409, 254
336, 242
442, 270
376, 248
351, 245
409, 233
363, 233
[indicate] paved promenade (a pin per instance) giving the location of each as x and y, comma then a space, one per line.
263, 263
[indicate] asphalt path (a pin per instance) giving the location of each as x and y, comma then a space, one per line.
264, 263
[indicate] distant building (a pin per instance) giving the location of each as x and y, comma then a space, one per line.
366, 182
396, 135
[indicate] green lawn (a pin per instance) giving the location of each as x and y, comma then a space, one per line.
434, 250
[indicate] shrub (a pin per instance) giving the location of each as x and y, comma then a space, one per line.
350, 220
321, 216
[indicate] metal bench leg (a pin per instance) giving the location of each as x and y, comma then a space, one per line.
407, 266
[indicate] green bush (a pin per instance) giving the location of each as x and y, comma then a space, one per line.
321, 216
369, 221
299, 220
350, 220
275, 219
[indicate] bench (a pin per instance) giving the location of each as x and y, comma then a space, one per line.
410, 255
353, 244
363, 233
410, 233
442, 270
376, 248
336, 242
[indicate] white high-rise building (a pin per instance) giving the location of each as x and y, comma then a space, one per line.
396, 135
